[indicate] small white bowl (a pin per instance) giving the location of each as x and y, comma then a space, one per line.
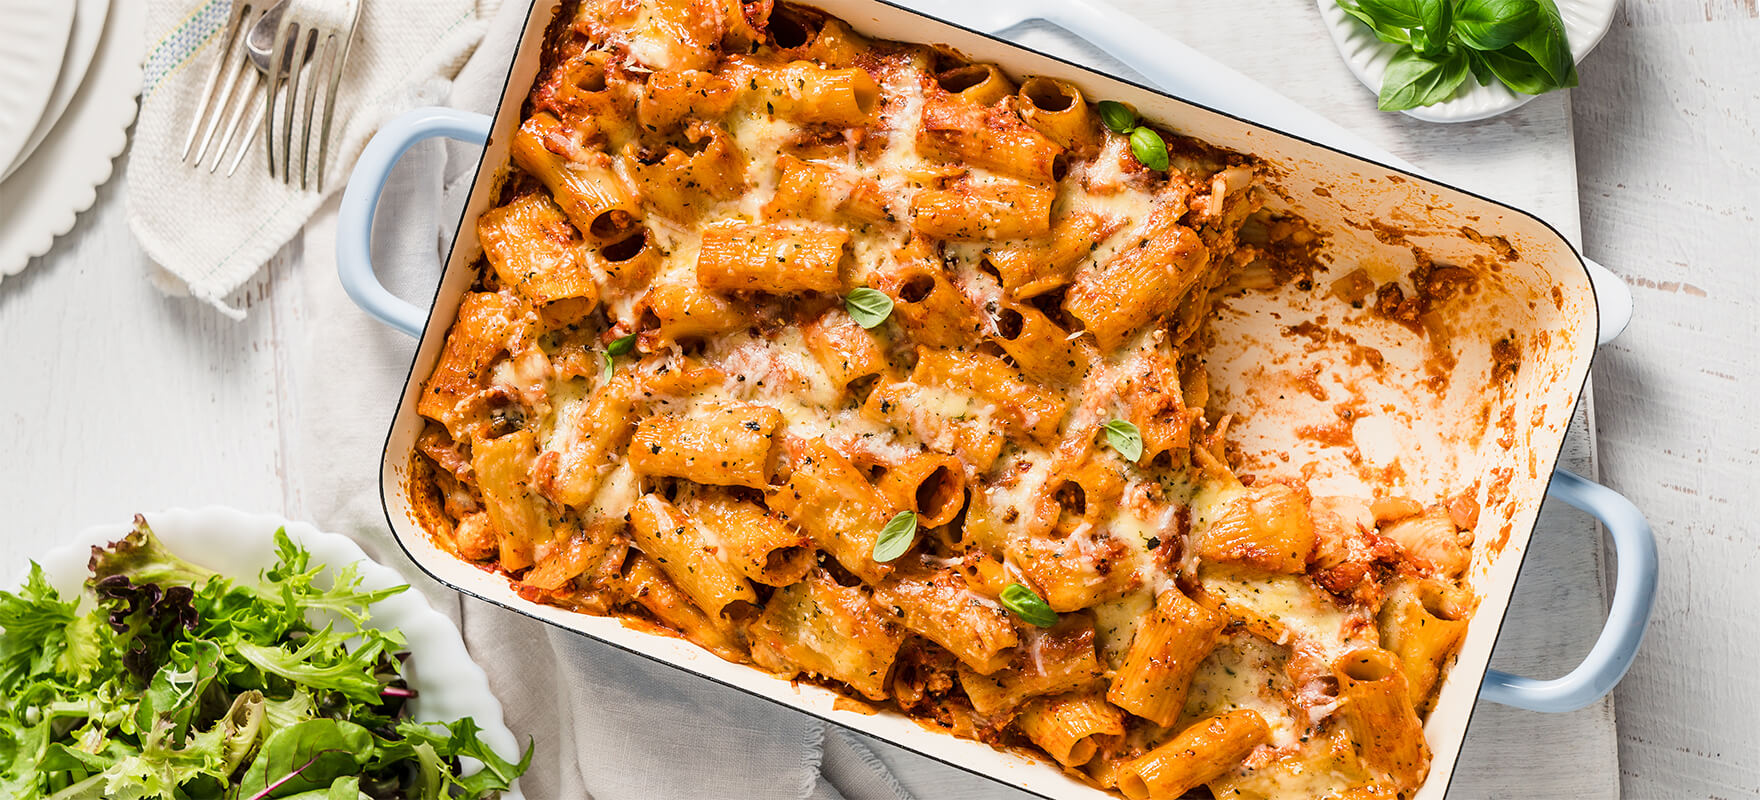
1585, 22
239, 545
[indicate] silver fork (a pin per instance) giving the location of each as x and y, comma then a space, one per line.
258, 42
229, 61
311, 51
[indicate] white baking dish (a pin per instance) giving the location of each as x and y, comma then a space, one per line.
1439, 439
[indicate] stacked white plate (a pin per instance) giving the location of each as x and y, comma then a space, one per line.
69, 74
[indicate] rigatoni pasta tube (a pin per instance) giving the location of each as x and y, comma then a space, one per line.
1024, 405
775, 258
731, 445
757, 544
1056, 108
944, 420
588, 191
830, 499
1432, 542
978, 84
1194, 757
1140, 283
820, 627
1031, 269
1164, 655
806, 92
1154, 400
1065, 725
503, 468
646, 585
676, 543
682, 184
925, 302
591, 441
1051, 661
988, 211
670, 97
944, 610
822, 191
532, 247
843, 348
684, 310
1041, 348
1377, 710
1265, 526
958, 132
479, 334
929, 483
1422, 625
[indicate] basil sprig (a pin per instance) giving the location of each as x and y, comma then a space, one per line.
618, 347
1147, 146
1028, 605
1125, 438
1519, 43
896, 537
868, 307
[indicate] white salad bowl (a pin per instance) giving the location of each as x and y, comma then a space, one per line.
1585, 22
240, 545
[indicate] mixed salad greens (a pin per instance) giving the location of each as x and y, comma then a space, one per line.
179, 683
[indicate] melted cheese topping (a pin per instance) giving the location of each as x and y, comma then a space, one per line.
1065, 514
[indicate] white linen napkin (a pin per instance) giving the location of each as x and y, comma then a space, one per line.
209, 233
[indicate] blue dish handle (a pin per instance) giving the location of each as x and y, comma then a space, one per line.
1634, 544
354, 221
1634, 593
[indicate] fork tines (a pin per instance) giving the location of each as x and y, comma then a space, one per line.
308, 60
231, 62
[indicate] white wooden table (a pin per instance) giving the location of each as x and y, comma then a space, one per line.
114, 398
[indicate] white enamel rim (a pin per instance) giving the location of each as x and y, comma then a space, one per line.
1369, 188
239, 544
1585, 22
33, 43
44, 195
82, 44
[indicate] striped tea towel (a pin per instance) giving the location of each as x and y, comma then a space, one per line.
209, 233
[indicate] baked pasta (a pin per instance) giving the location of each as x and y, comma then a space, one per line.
875, 368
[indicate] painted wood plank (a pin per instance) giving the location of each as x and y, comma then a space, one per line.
1670, 116
115, 398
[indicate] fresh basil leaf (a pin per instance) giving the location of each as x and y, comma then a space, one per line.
1117, 117
1549, 46
1125, 438
1028, 605
621, 345
1391, 34
605, 367
896, 537
1411, 81
1149, 149
1481, 70
1403, 13
1431, 40
868, 307
1516, 69
1494, 24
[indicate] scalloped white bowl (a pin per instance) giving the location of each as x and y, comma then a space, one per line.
1585, 22
240, 545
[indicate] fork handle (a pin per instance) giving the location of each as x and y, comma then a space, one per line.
354, 220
